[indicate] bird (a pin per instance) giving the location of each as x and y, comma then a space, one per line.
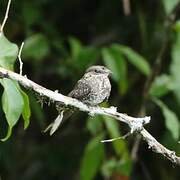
92, 89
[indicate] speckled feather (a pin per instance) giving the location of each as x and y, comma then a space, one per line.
92, 89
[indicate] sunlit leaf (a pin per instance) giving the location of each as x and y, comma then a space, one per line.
171, 119
135, 59
114, 60
36, 47
161, 86
8, 53
169, 5
9, 132
92, 158
12, 103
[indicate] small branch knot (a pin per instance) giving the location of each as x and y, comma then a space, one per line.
137, 125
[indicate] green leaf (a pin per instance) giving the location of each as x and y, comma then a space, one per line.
109, 167
75, 47
171, 120
169, 5
12, 103
31, 14
37, 111
119, 145
9, 132
8, 53
36, 47
161, 86
92, 158
114, 60
82, 56
177, 26
175, 65
135, 59
86, 57
26, 113
124, 167
95, 124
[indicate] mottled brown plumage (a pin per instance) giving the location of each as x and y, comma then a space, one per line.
92, 89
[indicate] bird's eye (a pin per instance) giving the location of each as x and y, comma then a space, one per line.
96, 70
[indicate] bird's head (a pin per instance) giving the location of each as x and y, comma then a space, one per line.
98, 70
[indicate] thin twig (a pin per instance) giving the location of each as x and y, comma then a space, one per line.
20, 60
135, 124
5, 17
117, 138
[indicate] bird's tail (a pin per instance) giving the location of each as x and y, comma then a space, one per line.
63, 115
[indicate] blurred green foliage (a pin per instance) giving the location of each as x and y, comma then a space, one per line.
63, 38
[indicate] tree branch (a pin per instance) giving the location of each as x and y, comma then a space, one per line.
135, 124
168, 22
159, 148
5, 17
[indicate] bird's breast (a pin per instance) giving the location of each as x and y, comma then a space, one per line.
100, 88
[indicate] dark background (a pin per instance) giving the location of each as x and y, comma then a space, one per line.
53, 30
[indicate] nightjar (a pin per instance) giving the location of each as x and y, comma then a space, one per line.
92, 89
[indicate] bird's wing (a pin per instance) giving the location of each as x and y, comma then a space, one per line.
81, 90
